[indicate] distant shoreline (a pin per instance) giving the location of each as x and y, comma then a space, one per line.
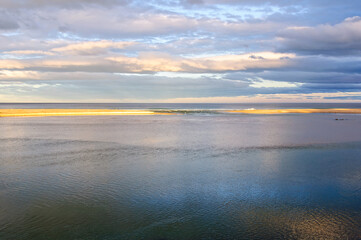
127, 112
73, 112
304, 110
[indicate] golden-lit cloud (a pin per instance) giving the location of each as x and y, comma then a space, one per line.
90, 47
145, 62
164, 63
9, 75
75, 48
12, 64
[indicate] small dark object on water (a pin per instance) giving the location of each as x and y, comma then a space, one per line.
339, 119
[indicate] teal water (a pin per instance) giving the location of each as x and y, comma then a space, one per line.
293, 176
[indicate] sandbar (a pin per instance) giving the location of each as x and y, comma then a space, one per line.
105, 112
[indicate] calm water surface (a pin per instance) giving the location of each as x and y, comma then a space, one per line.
192, 176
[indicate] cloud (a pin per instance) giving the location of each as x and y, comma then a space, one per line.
268, 98
57, 3
121, 22
63, 47
18, 75
12, 64
261, 83
129, 21
123, 86
234, 2
91, 47
125, 22
313, 77
7, 22
163, 88
129, 49
331, 86
163, 63
149, 62
340, 39
152, 87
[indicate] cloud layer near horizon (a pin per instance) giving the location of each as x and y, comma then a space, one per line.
169, 50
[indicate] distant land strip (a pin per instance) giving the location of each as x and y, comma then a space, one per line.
305, 110
105, 112
73, 112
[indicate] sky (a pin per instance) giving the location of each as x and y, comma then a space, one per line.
180, 51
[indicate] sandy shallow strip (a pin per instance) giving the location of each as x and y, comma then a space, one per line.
72, 112
310, 110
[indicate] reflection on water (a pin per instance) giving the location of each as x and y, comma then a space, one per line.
180, 177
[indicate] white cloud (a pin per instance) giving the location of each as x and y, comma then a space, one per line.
91, 47
262, 83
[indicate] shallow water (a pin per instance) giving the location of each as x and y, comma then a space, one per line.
195, 176
174, 106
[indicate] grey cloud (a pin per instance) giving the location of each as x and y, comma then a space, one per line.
152, 87
127, 22
130, 21
105, 23
340, 39
198, 45
330, 86
287, 3
256, 57
301, 77
117, 22
7, 25
128, 87
57, 3
344, 98
312, 72
235, 2
319, 64
7, 22
340, 64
